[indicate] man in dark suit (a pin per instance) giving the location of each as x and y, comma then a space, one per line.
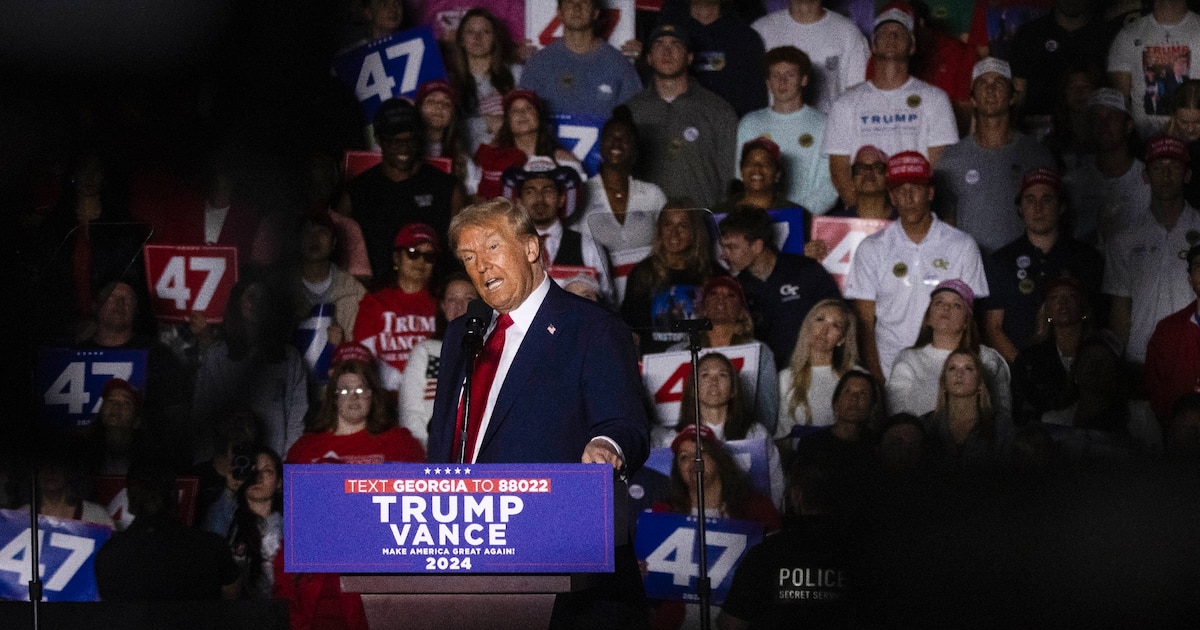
566, 387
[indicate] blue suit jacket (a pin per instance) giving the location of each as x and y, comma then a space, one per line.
574, 378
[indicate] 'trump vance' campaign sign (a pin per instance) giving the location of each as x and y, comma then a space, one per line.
448, 518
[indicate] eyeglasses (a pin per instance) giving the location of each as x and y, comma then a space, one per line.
412, 253
357, 391
876, 167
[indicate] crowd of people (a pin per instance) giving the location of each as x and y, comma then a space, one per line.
1027, 300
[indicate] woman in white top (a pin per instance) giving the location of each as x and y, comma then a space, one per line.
621, 211
723, 302
826, 348
948, 325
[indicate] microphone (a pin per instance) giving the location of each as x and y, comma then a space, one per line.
479, 315
691, 325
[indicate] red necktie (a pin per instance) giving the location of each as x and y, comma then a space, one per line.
481, 384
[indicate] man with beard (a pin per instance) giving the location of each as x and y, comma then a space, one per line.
545, 189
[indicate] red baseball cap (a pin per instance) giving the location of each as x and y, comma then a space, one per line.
1166, 148
909, 167
688, 434
414, 234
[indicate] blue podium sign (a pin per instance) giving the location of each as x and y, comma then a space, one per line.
69, 382
440, 518
395, 65
667, 543
67, 549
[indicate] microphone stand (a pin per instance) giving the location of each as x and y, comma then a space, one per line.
35, 584
693, 327
472, 342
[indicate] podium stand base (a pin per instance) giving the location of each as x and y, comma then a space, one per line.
519, 602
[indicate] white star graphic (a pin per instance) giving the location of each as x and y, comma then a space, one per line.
457, 471
426, 470
467, 470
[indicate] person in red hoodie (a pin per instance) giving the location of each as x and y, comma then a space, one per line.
1173, 354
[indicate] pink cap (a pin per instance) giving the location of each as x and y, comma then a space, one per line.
868, 150
959, 287
908, 167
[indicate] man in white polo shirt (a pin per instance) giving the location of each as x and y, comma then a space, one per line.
1142, 269
895, 270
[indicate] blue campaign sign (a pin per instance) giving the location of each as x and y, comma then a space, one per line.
65, 556
751, 455
667, 543
440, 518
69, 382
789, 228
311, 338
392, 66
581, 136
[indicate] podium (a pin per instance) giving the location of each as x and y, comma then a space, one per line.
419, 602
452, 546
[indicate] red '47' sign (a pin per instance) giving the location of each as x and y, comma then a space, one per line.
186, 278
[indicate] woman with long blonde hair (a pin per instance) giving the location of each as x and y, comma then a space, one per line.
826, 348
665, 284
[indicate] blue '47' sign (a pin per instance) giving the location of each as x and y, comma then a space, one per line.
65, 554
69, 382
392, 66
667, 543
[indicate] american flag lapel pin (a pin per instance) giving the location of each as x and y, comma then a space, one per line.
551, 329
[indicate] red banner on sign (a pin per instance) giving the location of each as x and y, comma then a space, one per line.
186, 278
110, 492
842, 235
